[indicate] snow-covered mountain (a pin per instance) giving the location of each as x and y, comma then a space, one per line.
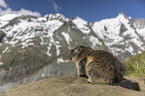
121, 35
28, 43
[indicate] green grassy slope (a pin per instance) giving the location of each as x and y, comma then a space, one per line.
135, 65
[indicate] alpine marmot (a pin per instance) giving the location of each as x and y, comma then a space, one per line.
98, 66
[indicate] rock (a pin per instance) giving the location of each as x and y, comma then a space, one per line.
2, 35
74, 86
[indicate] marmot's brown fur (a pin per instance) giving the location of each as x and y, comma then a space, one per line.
79, 56
99, 66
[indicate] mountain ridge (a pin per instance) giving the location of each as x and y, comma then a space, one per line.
116, 35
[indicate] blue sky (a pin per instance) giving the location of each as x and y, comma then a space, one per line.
90, 10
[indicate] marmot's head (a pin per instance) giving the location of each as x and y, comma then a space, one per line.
79, 52
73, 53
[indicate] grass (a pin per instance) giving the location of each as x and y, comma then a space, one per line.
135, 65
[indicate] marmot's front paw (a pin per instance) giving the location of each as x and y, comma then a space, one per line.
78, 73
89, 80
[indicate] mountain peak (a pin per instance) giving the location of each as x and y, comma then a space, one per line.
122, 15
57, 16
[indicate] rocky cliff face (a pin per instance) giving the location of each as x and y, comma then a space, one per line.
30, 45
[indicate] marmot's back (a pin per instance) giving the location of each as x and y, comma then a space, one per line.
103, 67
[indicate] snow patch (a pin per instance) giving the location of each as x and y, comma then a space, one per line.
48, 50
10, 68
130, 50
43, 75
6, 49
94, 41
31, 44
60, 60
9, 16
41, 19
1, 63
52, 26
58, 49
42, 41
82, 25
67, 37
141, 32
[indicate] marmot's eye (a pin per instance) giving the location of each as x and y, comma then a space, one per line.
72, 51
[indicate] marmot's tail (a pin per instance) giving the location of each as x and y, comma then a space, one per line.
129, 85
